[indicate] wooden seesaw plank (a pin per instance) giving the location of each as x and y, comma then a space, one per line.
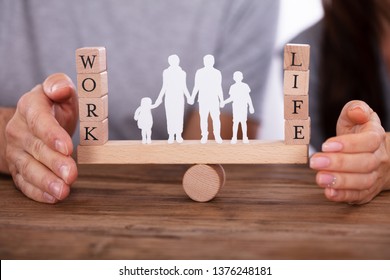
192, 152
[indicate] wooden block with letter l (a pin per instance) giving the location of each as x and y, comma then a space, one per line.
93, 133
296, 107
297, 57
297, 132
93, 109
91, 60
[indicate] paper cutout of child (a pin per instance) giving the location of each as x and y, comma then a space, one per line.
239, 96
143, 116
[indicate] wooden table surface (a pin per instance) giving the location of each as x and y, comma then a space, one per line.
142, 212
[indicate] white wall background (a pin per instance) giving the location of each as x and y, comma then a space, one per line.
294, 17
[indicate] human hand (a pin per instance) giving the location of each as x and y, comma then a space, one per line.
38, 142
251, 110
354, 166
190, 101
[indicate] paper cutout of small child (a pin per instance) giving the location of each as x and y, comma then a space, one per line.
239, 96
143, 116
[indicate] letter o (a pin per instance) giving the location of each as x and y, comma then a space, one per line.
93, 85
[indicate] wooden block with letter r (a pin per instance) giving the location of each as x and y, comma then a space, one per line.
297, 57
91, 60
93, 109
93, 133
297, 132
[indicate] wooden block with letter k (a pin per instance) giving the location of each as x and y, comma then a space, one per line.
92, 88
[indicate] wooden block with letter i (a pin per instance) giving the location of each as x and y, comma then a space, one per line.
296, 82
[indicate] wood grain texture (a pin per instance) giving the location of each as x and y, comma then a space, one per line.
141, 212
202, 182
192, 152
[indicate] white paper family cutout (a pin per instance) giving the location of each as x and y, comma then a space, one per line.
208, 88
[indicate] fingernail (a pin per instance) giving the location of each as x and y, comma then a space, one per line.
333, 192
59, 85
61, 147
326, 180
358, 107
64, 170
48, 198
319, 162
332, 147
56, 189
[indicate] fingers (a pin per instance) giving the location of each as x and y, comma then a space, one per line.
60, 89
38, 141
349, 163
346, 181
36, 181
354, 116
365, 142
37, 111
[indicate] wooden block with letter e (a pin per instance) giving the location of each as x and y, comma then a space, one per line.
297, 132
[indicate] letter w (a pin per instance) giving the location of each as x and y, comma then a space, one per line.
88, 61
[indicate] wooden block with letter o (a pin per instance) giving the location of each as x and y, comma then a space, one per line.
297, 132
296, 82
91, 60
92, 85
93, 133
297, 57
296, 107
93, 109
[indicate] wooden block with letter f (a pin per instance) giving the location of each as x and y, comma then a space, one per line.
296, 89
92, 88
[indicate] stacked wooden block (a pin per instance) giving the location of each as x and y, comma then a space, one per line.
92, 87
296, 99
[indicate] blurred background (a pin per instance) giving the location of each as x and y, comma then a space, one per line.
295, 16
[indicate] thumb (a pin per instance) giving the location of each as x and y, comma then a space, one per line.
353, 115
59, 88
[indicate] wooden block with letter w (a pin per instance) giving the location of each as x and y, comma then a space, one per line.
92, 88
